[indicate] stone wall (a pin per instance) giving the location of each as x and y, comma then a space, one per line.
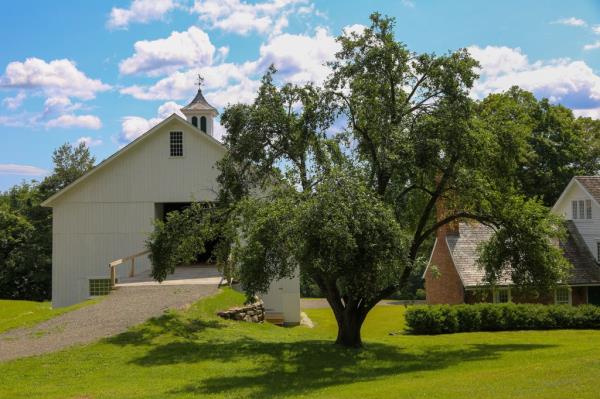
254, 313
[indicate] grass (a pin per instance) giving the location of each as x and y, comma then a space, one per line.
15, 314
194, 354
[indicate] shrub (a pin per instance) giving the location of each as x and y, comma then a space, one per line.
444, 319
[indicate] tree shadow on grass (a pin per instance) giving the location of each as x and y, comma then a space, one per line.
275, 369
169, 323
280, 369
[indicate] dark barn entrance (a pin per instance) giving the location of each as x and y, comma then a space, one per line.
162, 210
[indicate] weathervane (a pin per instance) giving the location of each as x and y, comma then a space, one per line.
200, 81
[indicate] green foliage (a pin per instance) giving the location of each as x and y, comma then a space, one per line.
25, 272
546, 143
340, 233
179, 239
443, 319
520, 247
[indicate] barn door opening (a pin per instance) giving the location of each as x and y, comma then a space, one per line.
162, 210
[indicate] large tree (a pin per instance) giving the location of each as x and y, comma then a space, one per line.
354, 210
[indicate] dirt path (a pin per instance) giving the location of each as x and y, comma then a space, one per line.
123, 308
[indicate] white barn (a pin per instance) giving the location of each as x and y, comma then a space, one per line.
108, 213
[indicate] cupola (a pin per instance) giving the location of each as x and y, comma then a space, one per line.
199, 112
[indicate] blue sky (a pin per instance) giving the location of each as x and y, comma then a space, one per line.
106, 71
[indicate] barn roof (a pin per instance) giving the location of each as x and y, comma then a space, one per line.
174, 117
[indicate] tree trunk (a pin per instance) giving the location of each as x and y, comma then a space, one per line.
349, 324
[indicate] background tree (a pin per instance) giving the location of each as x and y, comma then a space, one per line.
27, 272
552, 145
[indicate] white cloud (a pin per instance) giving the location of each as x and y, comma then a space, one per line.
140, 11
299, 58
571, 21
356, 29
21, 170
571, 83
408, 3
89, 141
593, 113
596, 29
15, 102
59, 105
75, 121
181, 85
180, 49
134, 126
592, 46
241, 17
54, 78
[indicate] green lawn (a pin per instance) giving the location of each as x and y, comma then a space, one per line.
15, 314
197, 355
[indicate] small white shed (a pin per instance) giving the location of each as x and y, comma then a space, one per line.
108, 213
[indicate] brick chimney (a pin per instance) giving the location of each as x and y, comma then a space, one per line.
441, 212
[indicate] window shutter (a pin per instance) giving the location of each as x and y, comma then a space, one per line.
574, 204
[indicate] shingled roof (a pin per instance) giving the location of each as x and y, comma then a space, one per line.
199, 103
591, 184
463, 248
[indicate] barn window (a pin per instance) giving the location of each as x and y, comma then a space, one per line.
176, 141
562, 296
195, 121
203, 124
574, 204
99, 286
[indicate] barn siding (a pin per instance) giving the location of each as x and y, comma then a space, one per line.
109, 214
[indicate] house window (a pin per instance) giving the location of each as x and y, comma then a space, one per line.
581, 209
588, 209
195, 121
562, 296
574, 205
501, 295
176, 142
99, 286
203, 124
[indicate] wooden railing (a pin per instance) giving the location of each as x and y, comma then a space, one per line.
113, 266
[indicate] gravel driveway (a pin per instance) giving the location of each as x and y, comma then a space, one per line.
123, 308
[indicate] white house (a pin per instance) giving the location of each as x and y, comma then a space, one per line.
108, 213
580, 203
